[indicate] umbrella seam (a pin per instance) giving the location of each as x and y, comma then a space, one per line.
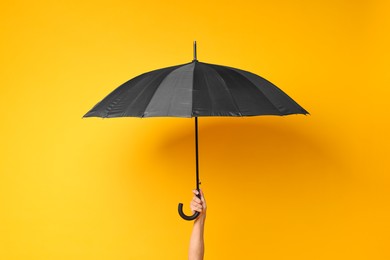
224, 83
154, 92
240, 71
125, 112
280, 112
209, 95
171, 97
164, 78
193, 84
117, 96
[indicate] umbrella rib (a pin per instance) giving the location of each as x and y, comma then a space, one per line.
193, 85
228, 90
136, 99
280, 112
173, 68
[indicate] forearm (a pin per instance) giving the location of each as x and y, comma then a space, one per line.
196, 250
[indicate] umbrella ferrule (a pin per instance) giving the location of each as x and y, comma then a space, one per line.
195, 58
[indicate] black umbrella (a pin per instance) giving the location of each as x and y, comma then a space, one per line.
192, 90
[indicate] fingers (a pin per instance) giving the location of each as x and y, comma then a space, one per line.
196, 206
195, 192
196, 199
196, 203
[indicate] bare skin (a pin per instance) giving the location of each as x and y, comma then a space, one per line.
196, 249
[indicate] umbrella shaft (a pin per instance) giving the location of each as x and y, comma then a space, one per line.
196, 153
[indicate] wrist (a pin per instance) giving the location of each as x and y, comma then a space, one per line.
201, 218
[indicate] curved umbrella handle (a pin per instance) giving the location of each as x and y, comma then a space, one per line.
184, 216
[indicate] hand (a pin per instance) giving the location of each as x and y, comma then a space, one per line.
197, 204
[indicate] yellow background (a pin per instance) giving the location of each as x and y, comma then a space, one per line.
297, 187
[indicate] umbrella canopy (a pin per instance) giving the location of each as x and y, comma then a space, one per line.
196, 89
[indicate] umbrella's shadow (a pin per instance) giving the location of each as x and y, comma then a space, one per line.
250, 148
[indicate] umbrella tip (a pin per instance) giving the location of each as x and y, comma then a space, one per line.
195, 58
